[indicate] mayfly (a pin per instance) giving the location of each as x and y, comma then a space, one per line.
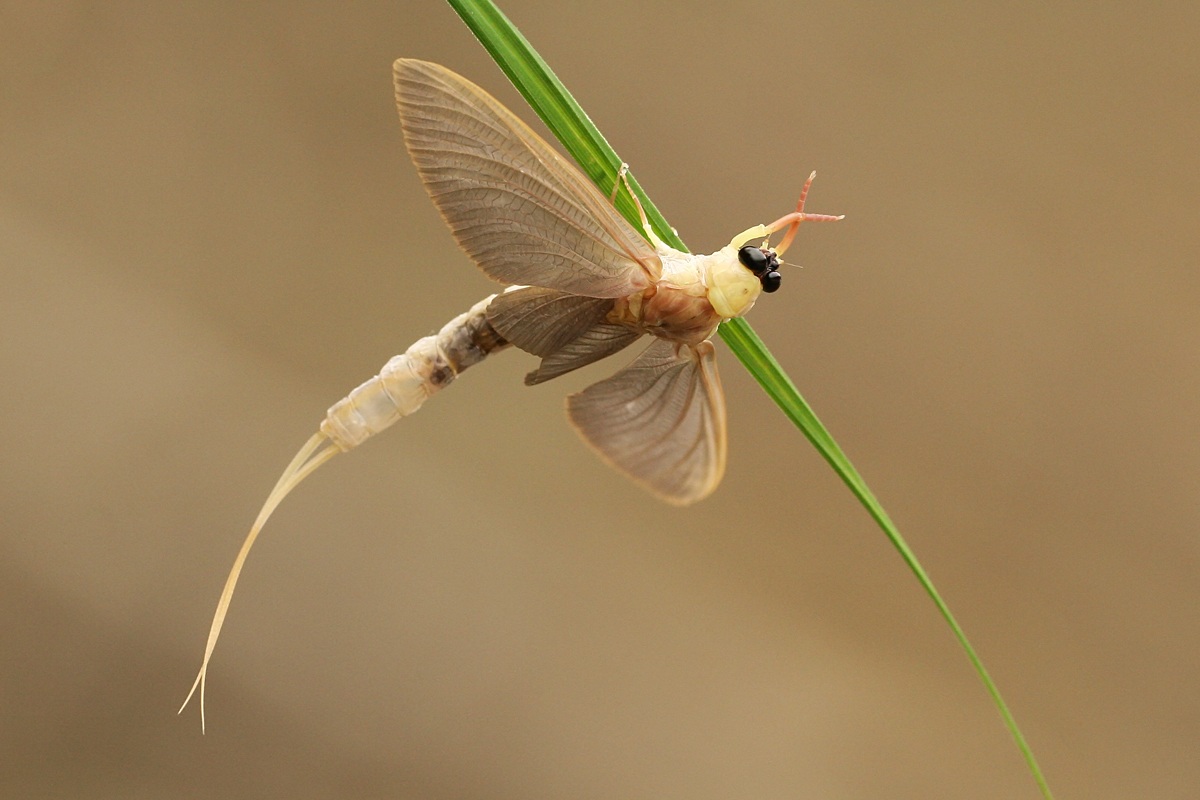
583, 284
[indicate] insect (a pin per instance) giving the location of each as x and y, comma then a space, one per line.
583, 284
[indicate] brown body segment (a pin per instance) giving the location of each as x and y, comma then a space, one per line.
473, 340
680, 314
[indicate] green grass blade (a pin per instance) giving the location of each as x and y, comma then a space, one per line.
576, 132
762, 365
541, 88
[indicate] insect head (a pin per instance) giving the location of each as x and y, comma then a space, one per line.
764, 264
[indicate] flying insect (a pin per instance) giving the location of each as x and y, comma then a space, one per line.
582, 284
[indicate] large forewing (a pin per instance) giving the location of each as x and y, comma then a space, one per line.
661, 421
524, 213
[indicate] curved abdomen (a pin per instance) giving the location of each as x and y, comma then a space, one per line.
411, 378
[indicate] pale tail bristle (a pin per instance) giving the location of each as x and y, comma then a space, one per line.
303, 465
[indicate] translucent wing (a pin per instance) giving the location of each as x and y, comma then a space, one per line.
661, 421
540, 321
524, 213
597, 342
566, 330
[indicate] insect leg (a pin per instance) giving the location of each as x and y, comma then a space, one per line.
651, 236
621, 173
792, 221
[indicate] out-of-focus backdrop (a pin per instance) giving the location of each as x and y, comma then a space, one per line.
210, 231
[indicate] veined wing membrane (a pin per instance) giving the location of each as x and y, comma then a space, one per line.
524, 213
566, 330
661, 421
540, 321
597, 342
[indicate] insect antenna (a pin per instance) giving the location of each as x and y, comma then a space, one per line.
303, 465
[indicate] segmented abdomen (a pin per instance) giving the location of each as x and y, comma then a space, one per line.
409, 379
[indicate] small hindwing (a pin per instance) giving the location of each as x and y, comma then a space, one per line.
661, 421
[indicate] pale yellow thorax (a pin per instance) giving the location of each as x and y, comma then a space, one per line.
732, 289
728, 285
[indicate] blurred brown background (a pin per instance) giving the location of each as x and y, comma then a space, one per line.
211, 231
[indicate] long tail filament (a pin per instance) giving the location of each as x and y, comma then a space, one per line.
304, 464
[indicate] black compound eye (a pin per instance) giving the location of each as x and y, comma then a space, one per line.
771, 281
754, 259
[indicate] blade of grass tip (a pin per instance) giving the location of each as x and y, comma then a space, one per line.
780, 388
543, 91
